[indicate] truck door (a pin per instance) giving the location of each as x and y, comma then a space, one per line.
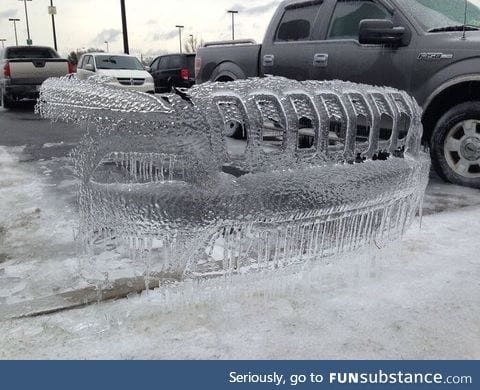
289, 47
346, 59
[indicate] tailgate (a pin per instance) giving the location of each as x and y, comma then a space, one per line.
36, 71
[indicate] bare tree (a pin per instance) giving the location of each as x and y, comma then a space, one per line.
192, 43
147, 60
74, 56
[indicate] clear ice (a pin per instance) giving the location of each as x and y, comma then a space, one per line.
243, 176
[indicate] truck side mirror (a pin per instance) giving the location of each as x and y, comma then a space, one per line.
90, 68
380, 32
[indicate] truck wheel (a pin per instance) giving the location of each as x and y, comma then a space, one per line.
5, 101
455, 145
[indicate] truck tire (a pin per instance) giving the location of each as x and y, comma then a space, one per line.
455, 145
227, 71
5, 101
234, 129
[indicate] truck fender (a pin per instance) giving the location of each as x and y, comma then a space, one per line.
450, 83
227, 71
455, 73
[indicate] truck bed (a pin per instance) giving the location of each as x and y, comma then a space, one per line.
233, 56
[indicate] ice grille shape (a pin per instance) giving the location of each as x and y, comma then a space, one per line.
323, 168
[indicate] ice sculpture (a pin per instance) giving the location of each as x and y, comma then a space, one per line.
313, 169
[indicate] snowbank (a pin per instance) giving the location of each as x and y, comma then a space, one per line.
418, 299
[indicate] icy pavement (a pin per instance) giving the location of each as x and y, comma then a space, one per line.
38, 219
419, 299
441, 196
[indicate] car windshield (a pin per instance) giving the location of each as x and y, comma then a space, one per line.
443, 15
118, 62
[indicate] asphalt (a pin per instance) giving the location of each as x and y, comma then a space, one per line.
47, 145
22, 127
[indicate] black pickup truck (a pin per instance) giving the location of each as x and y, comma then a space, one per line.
424, 47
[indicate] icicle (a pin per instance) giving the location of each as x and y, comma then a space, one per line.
152, 169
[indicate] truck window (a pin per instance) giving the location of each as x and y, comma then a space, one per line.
349, 13
30, 52
297, 22
432, 14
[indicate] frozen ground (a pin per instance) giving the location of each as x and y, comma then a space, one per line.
418, 299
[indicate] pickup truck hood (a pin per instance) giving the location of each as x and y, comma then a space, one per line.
126, 73
452, 41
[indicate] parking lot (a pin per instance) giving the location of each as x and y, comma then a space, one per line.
428, 283
45, 144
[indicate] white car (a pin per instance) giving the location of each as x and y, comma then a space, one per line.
127, 70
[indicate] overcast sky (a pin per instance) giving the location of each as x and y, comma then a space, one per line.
151, 23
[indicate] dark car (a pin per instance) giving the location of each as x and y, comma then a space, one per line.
421, 46
173, 71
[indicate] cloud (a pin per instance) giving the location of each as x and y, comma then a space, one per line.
152, 53
151, 21
165, 36
110, 35
9, 13
255, 10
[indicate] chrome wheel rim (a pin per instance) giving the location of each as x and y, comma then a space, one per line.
462, 148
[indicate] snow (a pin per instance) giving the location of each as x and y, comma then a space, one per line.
418, 299
37, 248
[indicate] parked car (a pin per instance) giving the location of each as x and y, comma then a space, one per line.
24, 69
173, 71
127, 71
420, 46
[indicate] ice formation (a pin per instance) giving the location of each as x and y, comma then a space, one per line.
314, 169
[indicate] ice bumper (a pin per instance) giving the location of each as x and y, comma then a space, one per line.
152, 168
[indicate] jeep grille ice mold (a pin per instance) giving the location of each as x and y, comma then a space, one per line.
321, 168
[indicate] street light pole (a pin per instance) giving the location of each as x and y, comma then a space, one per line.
52, 10
29, 40
180, 35
126, 49
15, 28
108, 50
233, 22
192, 43
3, 40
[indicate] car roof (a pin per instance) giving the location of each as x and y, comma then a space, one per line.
177, 54
28, 47
101, 53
